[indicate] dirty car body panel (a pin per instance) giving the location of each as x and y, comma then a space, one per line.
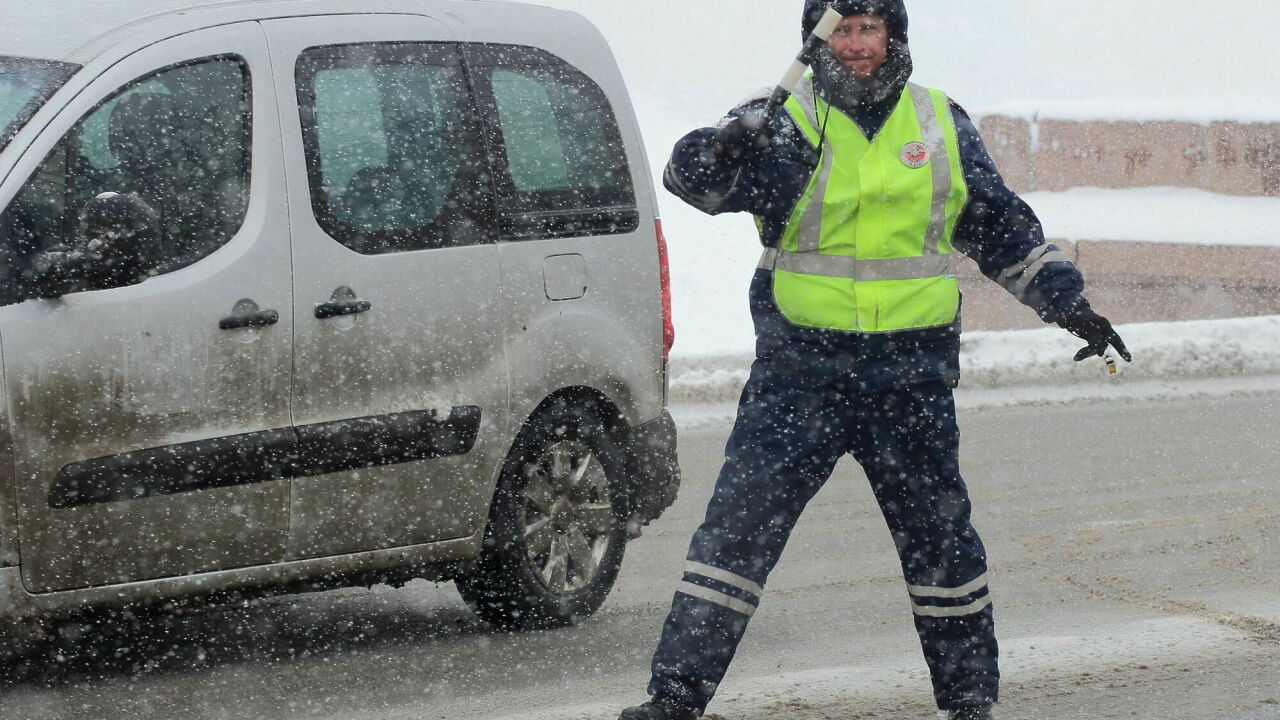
311, 387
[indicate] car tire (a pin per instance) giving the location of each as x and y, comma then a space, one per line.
554, 541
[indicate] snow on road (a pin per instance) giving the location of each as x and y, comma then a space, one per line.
1025, 660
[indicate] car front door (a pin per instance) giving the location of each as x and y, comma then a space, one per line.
400, 391
151, 421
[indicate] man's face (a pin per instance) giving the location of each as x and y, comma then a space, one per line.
861, 42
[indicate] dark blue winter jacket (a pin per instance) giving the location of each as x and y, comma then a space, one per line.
998, 230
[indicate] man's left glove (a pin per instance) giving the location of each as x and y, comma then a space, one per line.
1095, 330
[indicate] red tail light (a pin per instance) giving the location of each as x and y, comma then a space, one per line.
664, 272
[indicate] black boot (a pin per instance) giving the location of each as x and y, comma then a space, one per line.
660, 708
976, 713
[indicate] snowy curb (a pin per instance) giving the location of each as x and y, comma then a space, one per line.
1239, 347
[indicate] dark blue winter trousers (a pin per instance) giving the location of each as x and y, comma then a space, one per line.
791, 429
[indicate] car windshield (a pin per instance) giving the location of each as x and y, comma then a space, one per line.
24, 85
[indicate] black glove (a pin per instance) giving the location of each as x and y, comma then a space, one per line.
744, 139
1095, 330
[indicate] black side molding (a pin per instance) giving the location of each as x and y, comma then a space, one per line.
189, 467
384, 440
266, 456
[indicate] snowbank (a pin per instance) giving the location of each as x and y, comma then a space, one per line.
1033, 359
1158, 214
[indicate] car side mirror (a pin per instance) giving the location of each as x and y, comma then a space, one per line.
118, 245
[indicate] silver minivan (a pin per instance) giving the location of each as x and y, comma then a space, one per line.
297, 296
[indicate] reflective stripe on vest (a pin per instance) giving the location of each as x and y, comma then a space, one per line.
839, 266
868, 246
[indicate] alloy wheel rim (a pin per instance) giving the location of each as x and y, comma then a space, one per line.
567, 519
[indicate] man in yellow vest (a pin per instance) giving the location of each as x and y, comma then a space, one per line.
864, 187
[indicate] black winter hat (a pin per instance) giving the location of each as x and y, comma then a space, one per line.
894, 13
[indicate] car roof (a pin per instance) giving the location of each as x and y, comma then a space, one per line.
71, 32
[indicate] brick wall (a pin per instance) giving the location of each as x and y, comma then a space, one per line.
1133, 282
1223, 157
1140, 282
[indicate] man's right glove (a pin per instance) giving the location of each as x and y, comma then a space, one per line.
743, 140
1095, 330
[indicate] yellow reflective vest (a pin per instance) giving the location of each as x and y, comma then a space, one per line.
868, 246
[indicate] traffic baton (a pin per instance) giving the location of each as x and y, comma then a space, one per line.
819, 37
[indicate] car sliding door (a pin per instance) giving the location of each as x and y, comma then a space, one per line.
400, 390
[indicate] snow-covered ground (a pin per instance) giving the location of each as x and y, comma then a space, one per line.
1159, 214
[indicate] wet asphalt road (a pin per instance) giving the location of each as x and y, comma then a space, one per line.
1135, 552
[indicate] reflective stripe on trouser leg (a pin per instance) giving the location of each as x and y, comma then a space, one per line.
784, 445
721, 587
941, 602
908, 445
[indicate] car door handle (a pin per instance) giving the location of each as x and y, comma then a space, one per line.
345, 307
262, 318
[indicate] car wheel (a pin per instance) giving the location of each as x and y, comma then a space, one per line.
554, 542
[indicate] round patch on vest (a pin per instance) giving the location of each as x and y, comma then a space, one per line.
915, 155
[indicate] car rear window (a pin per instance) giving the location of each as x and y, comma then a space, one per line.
560, 160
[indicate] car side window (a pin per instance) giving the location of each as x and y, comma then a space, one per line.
393, 147
563, 165
179, 139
